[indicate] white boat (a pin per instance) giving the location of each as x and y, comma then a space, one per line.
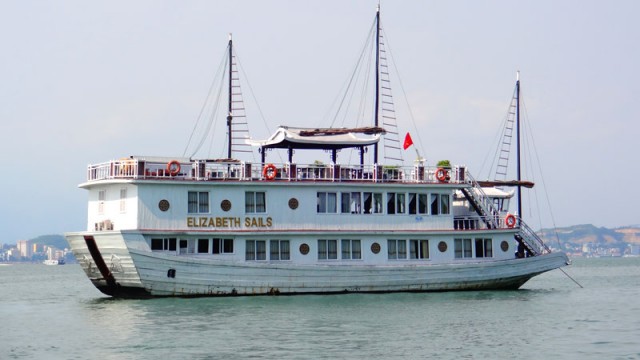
54, 262
173, 226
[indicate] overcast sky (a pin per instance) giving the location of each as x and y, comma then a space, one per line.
85, 82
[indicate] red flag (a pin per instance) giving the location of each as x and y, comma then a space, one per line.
407, 141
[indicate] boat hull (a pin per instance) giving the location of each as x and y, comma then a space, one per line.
133, 272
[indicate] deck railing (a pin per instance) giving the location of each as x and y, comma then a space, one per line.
203, 170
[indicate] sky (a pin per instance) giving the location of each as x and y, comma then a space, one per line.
87, 82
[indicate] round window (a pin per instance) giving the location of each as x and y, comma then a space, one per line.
304, 249
163, 205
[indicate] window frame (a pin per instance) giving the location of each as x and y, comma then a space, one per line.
281, 251
255, 206
253, 250
463, 248
325, 249
394, 251
323, 202
349, 250
198, 202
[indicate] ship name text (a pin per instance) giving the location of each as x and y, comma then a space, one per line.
229, 222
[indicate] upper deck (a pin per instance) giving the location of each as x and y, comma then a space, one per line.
209, 170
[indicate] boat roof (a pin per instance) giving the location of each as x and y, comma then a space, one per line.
496, 193
286, 137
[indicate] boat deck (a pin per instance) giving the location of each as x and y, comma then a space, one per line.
208, 170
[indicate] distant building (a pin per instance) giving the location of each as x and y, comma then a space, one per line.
24, 248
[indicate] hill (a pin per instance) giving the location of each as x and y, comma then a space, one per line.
56, 241
578, 236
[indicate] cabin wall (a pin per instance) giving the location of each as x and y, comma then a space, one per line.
112, 207
280, 212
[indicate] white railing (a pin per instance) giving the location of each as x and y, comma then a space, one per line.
203, 170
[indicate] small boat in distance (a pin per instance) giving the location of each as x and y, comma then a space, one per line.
54, 262
176, 226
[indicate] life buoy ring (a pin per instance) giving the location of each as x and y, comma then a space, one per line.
173, 167
441, 174
510, 221
269, 172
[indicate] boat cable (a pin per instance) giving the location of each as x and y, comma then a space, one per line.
255, 100
199, 118
356, 70
404, 95
534, 149
569, 276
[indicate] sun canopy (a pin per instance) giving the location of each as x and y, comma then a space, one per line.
331, 138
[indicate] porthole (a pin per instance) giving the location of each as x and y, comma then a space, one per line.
225, 205
293, 203
163, 205
504, 246
304, 249
375, 248
442, 246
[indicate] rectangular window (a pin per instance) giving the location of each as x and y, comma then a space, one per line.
198, 202
327, 249
462, 248
123, 200
350, 203
255, 202
439, 204
344, 204
222, 246
396, 203
400, 203
444, 204
484, 248
187, 246
203, 246
372, 203
418, 203
391, 203
256, 250
163, 244
396, 249
279, 250
419, 249
351, 250
102, 196
435, 199
327, 202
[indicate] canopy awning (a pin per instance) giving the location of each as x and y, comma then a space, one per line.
323, 139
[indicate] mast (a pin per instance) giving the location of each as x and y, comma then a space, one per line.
519, 178
230, 114
377, 97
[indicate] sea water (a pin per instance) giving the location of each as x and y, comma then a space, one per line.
53, 312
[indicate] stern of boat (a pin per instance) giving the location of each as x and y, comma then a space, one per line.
105, 259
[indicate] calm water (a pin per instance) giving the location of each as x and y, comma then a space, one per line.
54, 312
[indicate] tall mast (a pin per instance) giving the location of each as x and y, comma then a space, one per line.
230, 114
518, 142
377, 98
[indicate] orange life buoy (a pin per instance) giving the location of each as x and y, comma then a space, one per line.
269, 172
173, 167
441, 174
510, 221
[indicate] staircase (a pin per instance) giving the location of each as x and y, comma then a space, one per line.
530, 240
483, 205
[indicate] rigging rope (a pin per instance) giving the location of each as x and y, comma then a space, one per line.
221, 67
